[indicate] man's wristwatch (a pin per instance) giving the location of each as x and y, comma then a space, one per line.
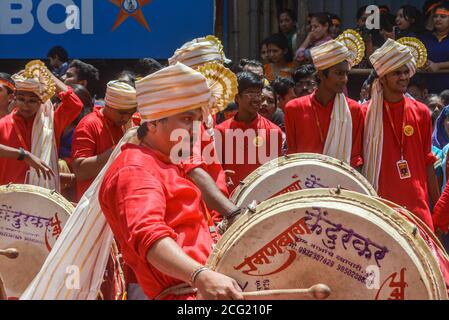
22, 154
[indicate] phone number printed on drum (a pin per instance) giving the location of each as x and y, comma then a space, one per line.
318, 257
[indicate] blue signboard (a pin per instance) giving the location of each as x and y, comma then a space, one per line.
106, 29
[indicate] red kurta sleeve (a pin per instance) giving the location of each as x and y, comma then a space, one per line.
440, 214
142, 206
427, 137
290, 130
83, 143
67, 111
358, 124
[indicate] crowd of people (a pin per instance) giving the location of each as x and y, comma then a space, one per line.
57, 133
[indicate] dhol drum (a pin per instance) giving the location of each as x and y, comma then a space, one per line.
31, 219
297, 172
429, 237
358, 246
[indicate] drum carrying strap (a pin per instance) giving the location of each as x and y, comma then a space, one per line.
178, 290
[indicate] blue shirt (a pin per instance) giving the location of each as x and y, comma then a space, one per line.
437, 52
59, 72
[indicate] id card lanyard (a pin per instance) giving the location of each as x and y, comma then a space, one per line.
402, 164
19, 135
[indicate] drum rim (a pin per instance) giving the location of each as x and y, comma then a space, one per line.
267, 167
420, 223
434, 279
50, 194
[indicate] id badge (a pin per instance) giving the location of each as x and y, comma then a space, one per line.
403, 169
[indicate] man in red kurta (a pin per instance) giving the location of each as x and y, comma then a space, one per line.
326, 121
196, 54
247, 140
204, 161
162, 202
412, 192
154, 210
98, 133
303, 133
16, 128
398, 132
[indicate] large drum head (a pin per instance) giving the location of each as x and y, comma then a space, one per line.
429, 237
31, 219
298, 172
358, 246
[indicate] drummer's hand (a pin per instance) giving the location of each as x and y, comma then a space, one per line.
40, 166
216, 286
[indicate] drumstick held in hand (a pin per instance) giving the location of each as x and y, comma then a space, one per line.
10, 253
318, 291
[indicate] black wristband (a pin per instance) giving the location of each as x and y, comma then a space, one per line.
22, 154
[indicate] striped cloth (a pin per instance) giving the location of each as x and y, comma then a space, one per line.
348, 47
75, 266
390, 57
120, 96
172, 90
198, 52
43, 143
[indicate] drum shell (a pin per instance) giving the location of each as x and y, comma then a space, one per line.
31, 219
252, 235
299, 172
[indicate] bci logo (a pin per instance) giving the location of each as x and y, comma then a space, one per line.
16, 16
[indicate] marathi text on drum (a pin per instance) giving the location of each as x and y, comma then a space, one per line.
331, 233
7, 214
274, 247
312, 182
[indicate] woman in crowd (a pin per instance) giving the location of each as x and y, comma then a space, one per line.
287, 26
440, 144
264, 52
320, 24
409, 22
280, 56
437, 44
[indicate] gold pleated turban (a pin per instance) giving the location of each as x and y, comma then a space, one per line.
395, 54
349, 46
120, 96
179, 88
198, 52
35, 78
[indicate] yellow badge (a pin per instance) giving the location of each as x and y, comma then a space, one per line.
258, 141
409, 131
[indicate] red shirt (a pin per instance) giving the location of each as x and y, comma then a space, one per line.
303, 133
12, 170
205, 156
237, 149
94, 135
145, 198
441, 211
411, 193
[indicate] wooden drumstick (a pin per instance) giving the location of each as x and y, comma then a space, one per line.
318, 291
10, 253
3, 295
